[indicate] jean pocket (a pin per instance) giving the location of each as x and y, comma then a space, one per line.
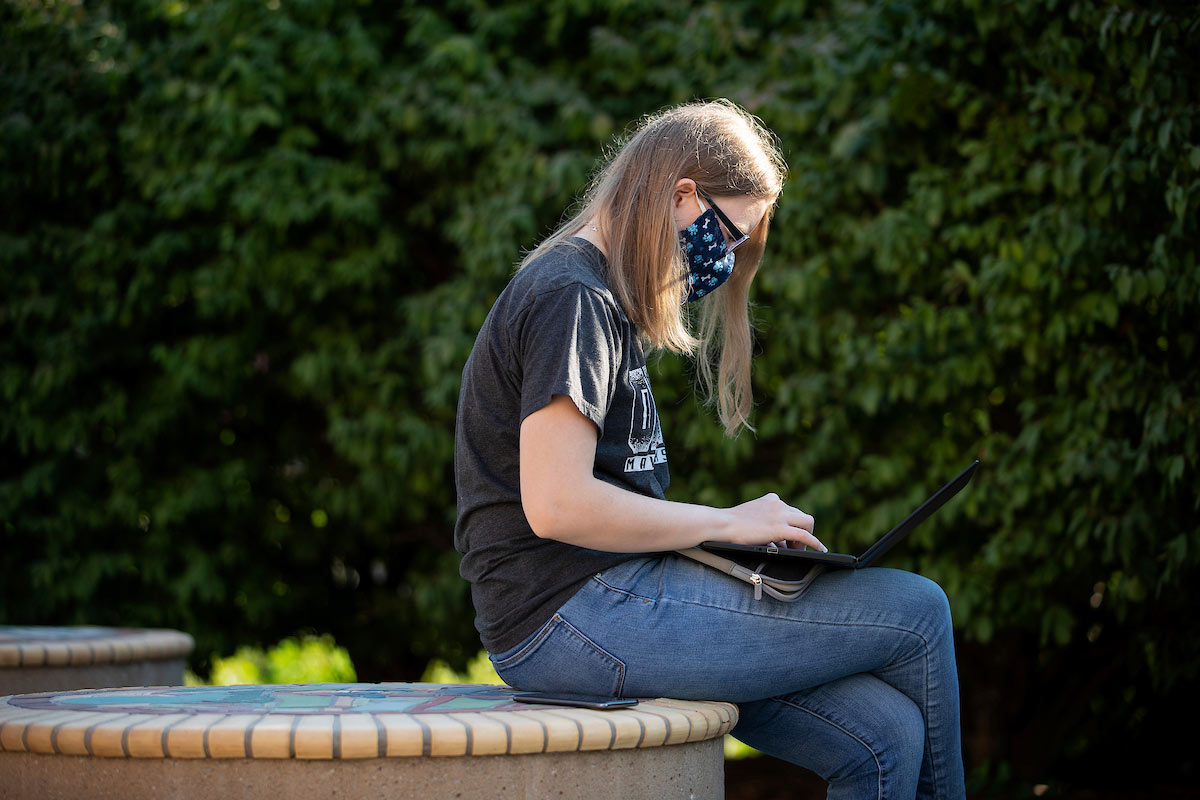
561, 658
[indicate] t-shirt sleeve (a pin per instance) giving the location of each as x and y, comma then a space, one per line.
568, 343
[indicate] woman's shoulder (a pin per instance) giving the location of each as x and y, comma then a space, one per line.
573, 264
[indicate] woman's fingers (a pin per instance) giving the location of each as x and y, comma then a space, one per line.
803, 540
815, 543
798, 519
805, 524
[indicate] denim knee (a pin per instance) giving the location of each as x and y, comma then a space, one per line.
932, 605
892, 754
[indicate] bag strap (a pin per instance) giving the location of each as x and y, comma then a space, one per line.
778, 588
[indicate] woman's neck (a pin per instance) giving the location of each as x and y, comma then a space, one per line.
591, 232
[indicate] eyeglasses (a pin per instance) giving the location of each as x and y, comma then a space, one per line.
734, 231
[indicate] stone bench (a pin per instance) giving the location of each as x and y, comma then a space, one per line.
354, 740
35, 658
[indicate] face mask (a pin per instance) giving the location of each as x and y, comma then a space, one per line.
709, 262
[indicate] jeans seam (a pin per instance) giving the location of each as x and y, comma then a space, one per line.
925, 700
601, 651
542, 633
620, 591
848, 732
806, 621
924, 711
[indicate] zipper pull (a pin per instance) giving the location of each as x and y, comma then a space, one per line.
756, 579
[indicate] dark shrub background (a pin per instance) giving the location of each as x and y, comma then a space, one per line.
245, 246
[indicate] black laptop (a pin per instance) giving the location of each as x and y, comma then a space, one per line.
770, 552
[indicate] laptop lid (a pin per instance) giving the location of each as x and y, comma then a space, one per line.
923, 512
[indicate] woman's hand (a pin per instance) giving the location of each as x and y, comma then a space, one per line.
769, 519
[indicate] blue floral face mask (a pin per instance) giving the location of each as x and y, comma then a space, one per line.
709, 260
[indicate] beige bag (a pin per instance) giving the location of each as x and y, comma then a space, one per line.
780, 589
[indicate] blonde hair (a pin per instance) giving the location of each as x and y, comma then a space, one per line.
726, 151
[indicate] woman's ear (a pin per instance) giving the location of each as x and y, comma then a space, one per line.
685, 192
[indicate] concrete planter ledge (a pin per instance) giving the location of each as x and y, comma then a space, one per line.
359, 740
36, 658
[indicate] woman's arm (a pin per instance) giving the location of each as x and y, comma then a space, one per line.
564, 501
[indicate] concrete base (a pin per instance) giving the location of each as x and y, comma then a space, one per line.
686, 771
27, 680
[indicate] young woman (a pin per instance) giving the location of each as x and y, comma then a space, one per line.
561, 472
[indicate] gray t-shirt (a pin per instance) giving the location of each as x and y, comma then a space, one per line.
555, 329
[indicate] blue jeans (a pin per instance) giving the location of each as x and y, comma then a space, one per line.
855, 681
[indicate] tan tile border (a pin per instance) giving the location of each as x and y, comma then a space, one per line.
351, 734
122, 646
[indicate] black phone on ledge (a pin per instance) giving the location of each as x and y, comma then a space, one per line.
594, 701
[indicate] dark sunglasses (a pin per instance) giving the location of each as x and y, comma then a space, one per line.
739, 238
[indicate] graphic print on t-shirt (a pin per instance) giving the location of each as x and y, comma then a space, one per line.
645, 433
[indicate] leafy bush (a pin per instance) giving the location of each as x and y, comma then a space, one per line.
478, 670
307, 659
245, 247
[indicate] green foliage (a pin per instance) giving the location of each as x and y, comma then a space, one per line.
245, 248
736, 750
478, 670
308, 659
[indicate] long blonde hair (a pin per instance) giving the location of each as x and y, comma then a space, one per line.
726, 151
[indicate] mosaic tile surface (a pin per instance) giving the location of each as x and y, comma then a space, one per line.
293, 698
